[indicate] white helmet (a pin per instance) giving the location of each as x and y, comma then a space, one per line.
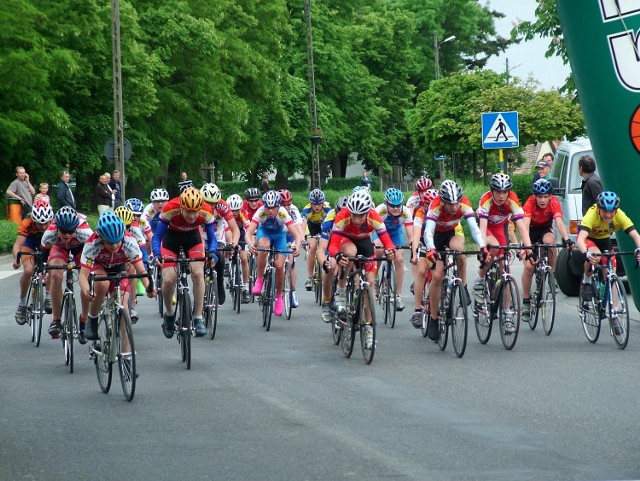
159, 195
211, 193
41, 213
235, 202
450, 192
359, 202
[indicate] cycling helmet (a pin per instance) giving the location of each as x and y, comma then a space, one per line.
393, 196
191, 199
41, 213
423, 183
450, 192
285, 195
271, 198
159, 195
500, 182
184, 185
134, 205
359, 202
428, 195
357, 188
252, 193
316, 196
608, 201
125, 213
67, 219
110, 227
341, 203
211, 193
541, 186
235, 202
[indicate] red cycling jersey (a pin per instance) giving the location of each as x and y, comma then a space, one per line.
499, 214
172, 215
343, 227
542, 217
248, 211
445, 221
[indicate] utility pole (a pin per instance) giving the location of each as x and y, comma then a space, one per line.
316, 138
118, 121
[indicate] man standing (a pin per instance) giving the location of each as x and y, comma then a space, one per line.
103, 195
591, 184
22, 190
116, 187
65, 196
547, 159
365, 180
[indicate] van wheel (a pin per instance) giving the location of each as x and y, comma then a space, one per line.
568, 282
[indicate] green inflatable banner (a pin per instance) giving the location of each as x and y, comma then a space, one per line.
602, 41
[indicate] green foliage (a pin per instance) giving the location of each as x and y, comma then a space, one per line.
337, 183
8, 233
237, 187
522, 186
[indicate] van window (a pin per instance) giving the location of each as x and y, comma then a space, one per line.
560, 169
575, 181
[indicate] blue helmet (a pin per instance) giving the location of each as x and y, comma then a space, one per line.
67, 219
316, 196
541, 187
393, 196
272, 198
134, 205
110, 227
608, 201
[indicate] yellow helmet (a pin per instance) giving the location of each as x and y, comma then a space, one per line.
125, 214
191, 199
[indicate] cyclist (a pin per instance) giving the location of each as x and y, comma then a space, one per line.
395, 216
329, 269
540, 210
108, 251
221, 214
151, 213
268, 228
251, 202
235, 204
351, 236
497, 207
294, 212
416, 199
312, 216
184, 185
64, 237
179, 226
30, 232
601, 220
444, 215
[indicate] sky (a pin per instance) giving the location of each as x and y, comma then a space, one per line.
526, 58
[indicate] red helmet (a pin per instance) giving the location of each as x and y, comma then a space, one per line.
286, 195
423, 184
427, 196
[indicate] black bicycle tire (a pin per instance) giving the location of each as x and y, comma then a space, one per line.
349, 331
623, 339
509, 339
590, 318
367, 296
482, 314
210, 312
269, 299
393, 299
104, 367
126, 366
38, 313
536, 299
459, 323
286, 291
549, 297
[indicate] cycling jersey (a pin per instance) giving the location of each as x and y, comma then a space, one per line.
221, 210
542, 217
327, 224
599, 229
499, 214
172, 220
95, 255
440, 221
80, 236
344, 228
275, 224
394, 222
248, 211
313, 217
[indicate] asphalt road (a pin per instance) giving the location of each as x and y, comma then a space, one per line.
286, 405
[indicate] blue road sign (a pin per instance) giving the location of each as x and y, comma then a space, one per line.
439, 157
500, 130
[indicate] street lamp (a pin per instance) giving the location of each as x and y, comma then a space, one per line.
436, 49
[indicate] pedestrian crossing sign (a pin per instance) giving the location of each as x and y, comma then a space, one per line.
500, 130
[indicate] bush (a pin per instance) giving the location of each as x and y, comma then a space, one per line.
238, 187
522, 186
8, 233
349, 183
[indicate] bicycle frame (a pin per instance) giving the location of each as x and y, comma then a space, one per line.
35, 295
70, 328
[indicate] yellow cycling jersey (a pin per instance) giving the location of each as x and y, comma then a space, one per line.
599, 229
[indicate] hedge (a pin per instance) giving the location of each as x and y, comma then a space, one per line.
238, 187
349, 183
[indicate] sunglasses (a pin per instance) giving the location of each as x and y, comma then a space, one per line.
66, 231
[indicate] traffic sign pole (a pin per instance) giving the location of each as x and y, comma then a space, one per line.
501, 160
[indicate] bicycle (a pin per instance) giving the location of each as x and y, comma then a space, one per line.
235, 281
609, 300
453, 304
35, 295
268, 294
501, 300
386, 289
70, 327
210, 305
287, 291
360, 300
156, 274
253, 268
115, 336
184, 311
543, 290
317, 276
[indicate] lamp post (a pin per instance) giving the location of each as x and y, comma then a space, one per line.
436, 50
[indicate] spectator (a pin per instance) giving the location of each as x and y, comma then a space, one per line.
591, 184
116, 187
543, 170
365, 180
184, 177
65, 196
104, 198
113, 196
264, 184
43, 194
22, 190
548, 158
184, 185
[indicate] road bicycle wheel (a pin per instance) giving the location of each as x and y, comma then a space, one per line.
317, 281
268, 297
252, 275
185, 329
336, 326
509, 310
393, 301
237, 283
70, 323
589, 312
443, 325
482, 317
349, 331
425, 310
366, 305
210, 312
458, 318
547, 302
286, 292
101, 350
158, 286
38, 313
618, 311
536, 298
126, 354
